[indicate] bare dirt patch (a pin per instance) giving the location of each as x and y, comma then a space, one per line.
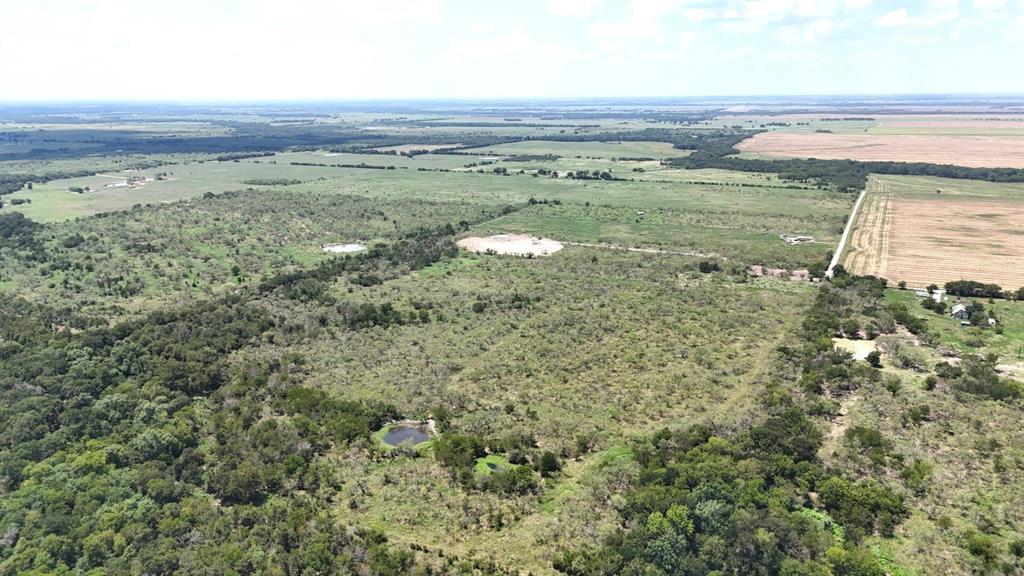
343, 248
516, 244
859, 348
924, 241
974, 151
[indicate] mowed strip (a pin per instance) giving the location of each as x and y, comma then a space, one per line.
868, 243
972, 151
903, 234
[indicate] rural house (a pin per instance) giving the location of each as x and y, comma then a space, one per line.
960, 312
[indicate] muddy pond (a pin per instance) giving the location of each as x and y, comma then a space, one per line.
413, 433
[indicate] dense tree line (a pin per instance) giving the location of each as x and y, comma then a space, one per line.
417, 250
709, 503
975, 289
20, 235
137, 448
11, 183
271, 182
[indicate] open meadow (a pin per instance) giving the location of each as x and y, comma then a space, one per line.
654, 150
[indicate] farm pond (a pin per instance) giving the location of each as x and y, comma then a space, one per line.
411, 432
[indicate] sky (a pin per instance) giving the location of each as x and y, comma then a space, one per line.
218, 50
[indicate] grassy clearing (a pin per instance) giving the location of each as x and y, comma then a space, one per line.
926, 187
399, 162
609, 150
743, 224
491, 463
574, 362
969, 339
52, 201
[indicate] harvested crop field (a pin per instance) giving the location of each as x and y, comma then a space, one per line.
517, 244
906, 230
980, 125
973, 151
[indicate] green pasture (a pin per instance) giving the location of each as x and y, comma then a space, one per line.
656, 150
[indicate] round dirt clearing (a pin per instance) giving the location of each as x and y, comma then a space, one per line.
517, 244
343, 248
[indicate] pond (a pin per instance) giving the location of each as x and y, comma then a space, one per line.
403, 432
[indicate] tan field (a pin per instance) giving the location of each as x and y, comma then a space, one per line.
973, 151
1009, 123
904, 233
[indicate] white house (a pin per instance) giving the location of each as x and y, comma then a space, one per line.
960, 312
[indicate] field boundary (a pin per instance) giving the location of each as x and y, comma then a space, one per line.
846, 232
645, 250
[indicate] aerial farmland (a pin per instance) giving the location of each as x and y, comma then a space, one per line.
564, 288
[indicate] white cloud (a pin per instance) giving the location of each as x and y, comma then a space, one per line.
989, 4
892, 19
645, 20
621, 30
937, 12
686, 41
755, 15
572, 8
817, 30
813, 9
699, 14
857, 5
652, 10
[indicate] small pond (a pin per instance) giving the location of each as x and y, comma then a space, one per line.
403, 432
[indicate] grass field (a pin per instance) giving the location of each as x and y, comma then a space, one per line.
923, 230
737, 215
609, 150
577, 362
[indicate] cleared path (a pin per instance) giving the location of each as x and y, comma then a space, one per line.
645, 250
846, 232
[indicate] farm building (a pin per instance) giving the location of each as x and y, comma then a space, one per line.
960, 312
795, 239
936, 295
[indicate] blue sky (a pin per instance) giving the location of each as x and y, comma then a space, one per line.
337, 49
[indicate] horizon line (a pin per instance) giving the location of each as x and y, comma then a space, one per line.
471, 99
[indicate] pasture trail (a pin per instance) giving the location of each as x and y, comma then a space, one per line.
846, 233
646, 250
